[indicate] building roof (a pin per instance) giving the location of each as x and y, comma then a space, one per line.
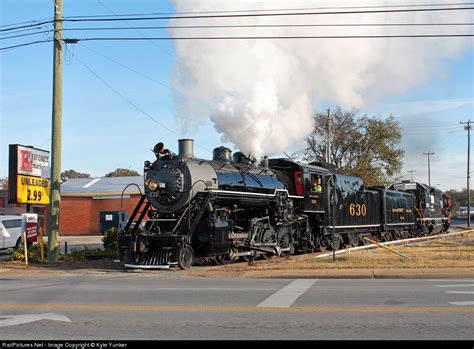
102, 186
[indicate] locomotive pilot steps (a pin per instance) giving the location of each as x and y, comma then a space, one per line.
227, 208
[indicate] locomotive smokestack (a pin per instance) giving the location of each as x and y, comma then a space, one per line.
186, 148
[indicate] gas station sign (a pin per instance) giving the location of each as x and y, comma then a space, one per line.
32, 190
29, 181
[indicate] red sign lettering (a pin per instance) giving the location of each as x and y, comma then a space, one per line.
26, 160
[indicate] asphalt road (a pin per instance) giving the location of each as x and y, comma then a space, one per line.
164, 305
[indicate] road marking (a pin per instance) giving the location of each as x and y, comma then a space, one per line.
286, 296
462, 303
13, 320
88, 308
465, 285
451, 280
214, 289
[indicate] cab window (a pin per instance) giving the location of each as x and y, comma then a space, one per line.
316, 183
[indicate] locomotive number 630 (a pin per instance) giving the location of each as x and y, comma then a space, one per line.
357, 209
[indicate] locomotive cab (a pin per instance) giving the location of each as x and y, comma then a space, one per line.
310, 183
315, 189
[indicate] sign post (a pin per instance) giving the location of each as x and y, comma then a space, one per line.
25, 246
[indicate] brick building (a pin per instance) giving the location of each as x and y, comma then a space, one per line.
17, 209
82, 200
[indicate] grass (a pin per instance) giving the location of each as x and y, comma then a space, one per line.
452, 252
448, 252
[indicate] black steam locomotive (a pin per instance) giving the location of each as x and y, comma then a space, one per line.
229, 208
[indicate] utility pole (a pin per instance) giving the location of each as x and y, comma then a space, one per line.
56, 139
468, 129
429, 167
411, 172
328, 139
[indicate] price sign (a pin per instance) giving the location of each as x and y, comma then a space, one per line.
32, 190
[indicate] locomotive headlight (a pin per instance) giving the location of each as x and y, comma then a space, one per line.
151, 184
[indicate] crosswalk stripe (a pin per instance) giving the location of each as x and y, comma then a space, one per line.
286, 296
462, 303
459, 285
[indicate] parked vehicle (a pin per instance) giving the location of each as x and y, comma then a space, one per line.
11, 232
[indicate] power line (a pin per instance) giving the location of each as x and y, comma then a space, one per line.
129, 68
27, 26
32, 23
125, 98
251, 15
24, 30
22, 35
25, 44
137, 31
274, 10
130, 102
269, 26
76, 40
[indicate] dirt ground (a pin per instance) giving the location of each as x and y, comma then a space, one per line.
446, 252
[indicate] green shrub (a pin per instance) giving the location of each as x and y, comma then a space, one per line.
110, 239
90, 254
34, 254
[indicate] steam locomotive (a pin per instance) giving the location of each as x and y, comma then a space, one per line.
230, 208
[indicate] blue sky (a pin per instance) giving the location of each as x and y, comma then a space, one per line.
102, 131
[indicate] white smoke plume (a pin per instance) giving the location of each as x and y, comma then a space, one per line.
261, 94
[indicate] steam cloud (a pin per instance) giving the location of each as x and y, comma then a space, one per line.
261, 94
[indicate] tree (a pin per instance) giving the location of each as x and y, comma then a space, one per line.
458, 197
360, 146
122, 172
69, 174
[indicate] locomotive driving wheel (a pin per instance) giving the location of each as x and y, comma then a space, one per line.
185, 257
285, 241
225, 258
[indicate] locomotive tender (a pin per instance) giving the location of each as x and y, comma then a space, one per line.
229, 208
